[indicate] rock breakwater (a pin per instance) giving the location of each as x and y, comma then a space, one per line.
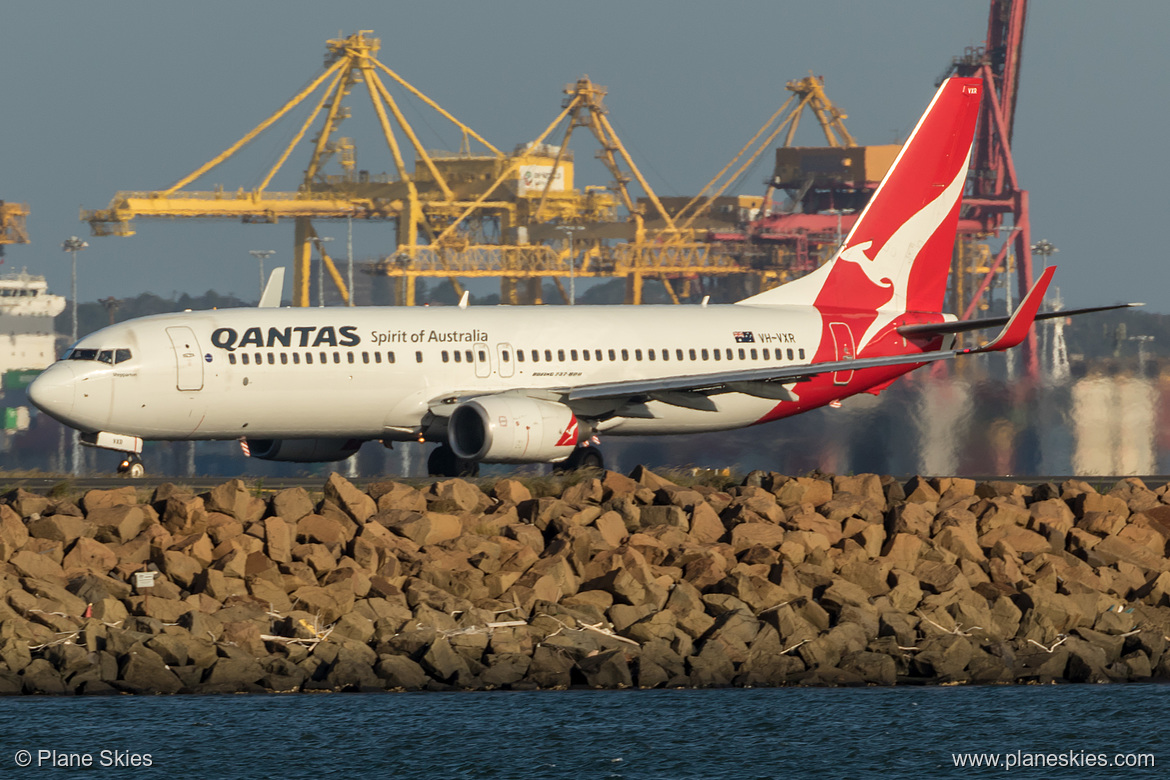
613, 581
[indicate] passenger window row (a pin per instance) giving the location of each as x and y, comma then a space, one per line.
470, 356
600, 355
323, 357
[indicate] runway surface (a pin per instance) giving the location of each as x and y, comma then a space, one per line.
65, 484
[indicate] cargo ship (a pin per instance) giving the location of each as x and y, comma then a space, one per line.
27, 335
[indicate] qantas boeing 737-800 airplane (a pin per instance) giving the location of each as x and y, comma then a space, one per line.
534, 384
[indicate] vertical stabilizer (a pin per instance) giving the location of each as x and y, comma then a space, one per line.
270, 298
898, 254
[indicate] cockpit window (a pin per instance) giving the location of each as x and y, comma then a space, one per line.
110, 356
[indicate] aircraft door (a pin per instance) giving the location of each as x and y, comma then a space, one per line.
843, 343
505, 355
483, 360
187, 358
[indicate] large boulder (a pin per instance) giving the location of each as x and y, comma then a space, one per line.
607, 669
291, 504
233, 498
804, 490
457, 495
13, 534
32, 564
184, 514
747, 535
58, 528
89, 556
423, 528
943, 658
100, 499
395, 495
400, 672
319, 529
511, 491
353, 501
143, 671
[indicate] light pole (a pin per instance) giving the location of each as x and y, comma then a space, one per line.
321, 241
349, 258
1045, 249
838, 213
261, 255
567, 231
73, 245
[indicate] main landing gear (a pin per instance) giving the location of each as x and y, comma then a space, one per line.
131, 466
585, 457
443, 462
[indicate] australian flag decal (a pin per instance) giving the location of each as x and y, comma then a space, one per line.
744, 337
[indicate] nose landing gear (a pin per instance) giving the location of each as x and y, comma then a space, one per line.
129, 446
131, 466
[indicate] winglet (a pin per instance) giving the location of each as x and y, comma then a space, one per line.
270, 298
1017, 327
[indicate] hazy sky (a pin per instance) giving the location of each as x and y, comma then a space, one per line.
120, 95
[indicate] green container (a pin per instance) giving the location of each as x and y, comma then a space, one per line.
20, 379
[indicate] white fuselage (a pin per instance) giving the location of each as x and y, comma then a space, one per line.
372, 373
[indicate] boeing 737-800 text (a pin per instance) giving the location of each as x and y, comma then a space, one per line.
536, 384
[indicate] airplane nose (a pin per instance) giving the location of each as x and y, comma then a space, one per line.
54, 391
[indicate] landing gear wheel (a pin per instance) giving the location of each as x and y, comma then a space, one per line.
443, 462
591, 459
132, 467
585, 457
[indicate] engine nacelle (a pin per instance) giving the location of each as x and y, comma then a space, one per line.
302, 450
512, 429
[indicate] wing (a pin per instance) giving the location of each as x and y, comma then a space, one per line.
694, 390
691, 391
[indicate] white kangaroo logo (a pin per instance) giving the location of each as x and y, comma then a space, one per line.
891, 268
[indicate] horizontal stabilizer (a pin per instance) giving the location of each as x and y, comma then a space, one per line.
1021, 320
942, 328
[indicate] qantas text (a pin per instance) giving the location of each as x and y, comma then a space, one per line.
303, 336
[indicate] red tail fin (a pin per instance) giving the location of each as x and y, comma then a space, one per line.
898, 254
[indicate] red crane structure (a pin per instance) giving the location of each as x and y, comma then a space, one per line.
995, 191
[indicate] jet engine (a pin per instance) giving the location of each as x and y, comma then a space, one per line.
512, 429
301, 450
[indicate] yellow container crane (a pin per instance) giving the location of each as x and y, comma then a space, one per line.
426, 204
12, 224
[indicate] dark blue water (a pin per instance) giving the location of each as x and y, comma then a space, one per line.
675, 735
